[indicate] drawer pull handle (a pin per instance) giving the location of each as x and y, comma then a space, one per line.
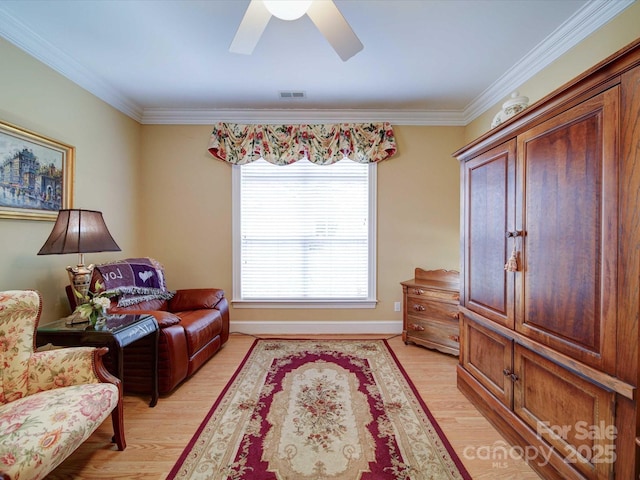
418, 291
455, 338
417, 327
418, 308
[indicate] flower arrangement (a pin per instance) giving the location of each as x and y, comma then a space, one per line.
95, 305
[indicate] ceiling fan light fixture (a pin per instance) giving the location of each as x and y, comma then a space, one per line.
323, 13
287, 9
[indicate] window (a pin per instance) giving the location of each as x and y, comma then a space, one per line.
304, 234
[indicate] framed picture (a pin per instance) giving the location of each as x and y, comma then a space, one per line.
36, 175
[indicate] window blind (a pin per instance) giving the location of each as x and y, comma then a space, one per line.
304, 231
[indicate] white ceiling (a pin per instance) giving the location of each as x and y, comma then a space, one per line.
424, 61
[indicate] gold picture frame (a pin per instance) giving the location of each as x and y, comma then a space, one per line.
36, 174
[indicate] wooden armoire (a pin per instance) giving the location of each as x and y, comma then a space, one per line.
549, 343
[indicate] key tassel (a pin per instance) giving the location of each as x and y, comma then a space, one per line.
512, 263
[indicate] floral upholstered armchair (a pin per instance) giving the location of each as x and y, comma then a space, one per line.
50, 401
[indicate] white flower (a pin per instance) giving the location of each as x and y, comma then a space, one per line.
103, 302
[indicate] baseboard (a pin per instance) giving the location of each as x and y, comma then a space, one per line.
314, 328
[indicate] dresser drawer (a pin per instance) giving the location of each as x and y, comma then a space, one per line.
425, 308
445, 334
434, 294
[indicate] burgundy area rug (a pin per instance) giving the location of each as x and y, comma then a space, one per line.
319, 409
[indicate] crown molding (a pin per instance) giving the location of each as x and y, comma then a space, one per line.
26, 39
585, 21
276, 116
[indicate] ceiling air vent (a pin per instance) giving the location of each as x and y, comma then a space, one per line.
291, 95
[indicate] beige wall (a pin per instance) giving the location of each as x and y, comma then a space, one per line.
186, 222
619, 32
34, 97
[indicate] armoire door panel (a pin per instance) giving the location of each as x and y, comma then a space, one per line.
575, 416
568, 214
488, 356
490, 183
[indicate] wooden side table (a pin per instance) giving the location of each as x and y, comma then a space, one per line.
430, 315
117, 332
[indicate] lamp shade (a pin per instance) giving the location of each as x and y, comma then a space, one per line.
79, 231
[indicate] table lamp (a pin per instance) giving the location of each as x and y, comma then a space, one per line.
79, 231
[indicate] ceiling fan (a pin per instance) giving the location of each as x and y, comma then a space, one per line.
323, 13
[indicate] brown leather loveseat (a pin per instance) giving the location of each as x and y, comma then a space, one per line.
194, 323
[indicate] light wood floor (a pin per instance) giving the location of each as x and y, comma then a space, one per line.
156, 436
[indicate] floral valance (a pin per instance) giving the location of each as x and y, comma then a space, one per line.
284, 144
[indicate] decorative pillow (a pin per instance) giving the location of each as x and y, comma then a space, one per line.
133, 280
131, 272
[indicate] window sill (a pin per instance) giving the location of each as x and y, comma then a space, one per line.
335, 304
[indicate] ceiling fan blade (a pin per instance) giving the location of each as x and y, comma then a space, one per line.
251, 27
335, 28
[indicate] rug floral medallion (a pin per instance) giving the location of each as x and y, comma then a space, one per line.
315, 410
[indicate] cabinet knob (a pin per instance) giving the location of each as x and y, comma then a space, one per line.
513, 234
506, 372
418, 291
416, 327
418, 308
455, 338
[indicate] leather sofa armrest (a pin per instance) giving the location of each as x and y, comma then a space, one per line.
165, 319
195, 299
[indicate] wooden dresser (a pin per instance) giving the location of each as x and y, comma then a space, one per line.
430, 314
550, 225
